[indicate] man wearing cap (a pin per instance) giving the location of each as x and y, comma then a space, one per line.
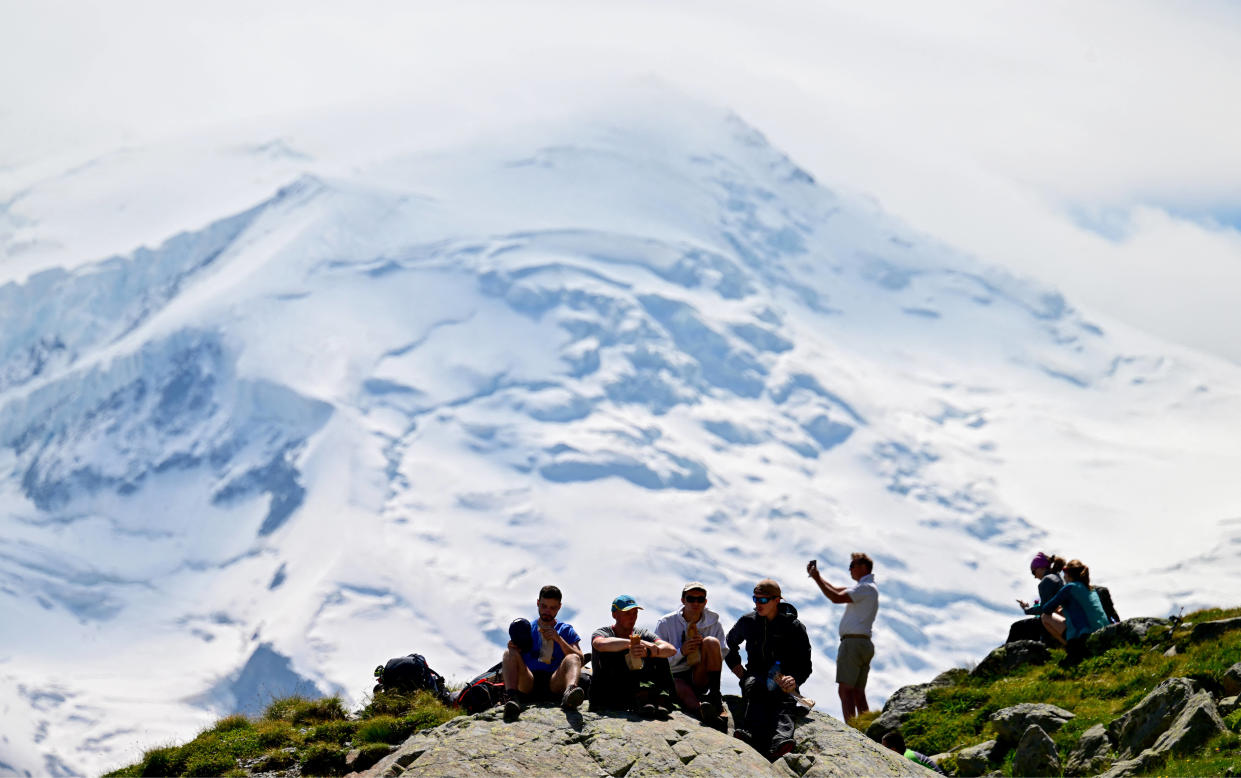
630, 664
778, 653
543, 659
698, 660
856, 649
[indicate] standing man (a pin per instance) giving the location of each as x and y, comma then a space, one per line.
778, 651
856, 648
543, 660
697, 663
631, 665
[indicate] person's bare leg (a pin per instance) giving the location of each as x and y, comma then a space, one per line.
1056, 625
859, 701
687, 695
517, 677
566, 675
848, 709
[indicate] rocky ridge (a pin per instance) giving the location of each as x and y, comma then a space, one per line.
547, 741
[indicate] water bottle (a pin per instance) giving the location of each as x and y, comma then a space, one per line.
772, 675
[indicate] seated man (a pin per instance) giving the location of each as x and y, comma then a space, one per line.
697, 664
542, 660
779, 662
631, 665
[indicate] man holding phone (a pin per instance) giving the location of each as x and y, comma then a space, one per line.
856, 649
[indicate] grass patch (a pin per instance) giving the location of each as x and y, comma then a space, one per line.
1220, 756
1212, 614
314, 735
863, 720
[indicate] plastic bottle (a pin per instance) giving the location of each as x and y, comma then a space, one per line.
772, 675
692, 657
635, 663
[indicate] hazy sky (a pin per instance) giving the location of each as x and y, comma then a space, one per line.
1091, 145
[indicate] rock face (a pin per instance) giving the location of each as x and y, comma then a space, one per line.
904, 701
1091, 754
1011, 723
1208, 630
1007, 658
1140, 726
975, 760
547, 741
1120, 633
1232, 681
1036, 754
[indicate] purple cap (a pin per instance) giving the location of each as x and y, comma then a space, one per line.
1040, 560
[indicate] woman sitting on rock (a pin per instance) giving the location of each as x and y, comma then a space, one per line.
1047, 570
1081, 605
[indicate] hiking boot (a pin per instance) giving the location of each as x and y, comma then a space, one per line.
663, 712
744, 736
780, 748
647, 711
512, 709
573, 698
708, 713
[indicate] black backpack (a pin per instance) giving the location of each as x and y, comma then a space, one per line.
409, 674
481, 692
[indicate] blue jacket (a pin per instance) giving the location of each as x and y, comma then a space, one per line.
1082, 609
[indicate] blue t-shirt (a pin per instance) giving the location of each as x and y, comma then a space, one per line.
531, 657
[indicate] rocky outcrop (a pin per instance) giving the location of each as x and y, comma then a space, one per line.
547, 741
1231, 682
1140, 726
1090, 755
1171, 720
1208, 630
1036, 754
906, 700
1123, 632
975, 760
1011, 723
1008, 658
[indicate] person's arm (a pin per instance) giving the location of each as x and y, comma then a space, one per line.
664, 631
837, 594
1050, 606
802, 665
659, 648
608, 645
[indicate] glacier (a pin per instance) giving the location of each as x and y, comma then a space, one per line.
371, 408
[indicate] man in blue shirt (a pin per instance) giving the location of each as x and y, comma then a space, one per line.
543, 660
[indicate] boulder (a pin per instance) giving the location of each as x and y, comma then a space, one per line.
1129, 631
975, 760
1005, 659
1231, 682
906, 700
1011, 723
1228, 705
1208, 630
547, 741
1197, 723
1139, 727
1090, 755
1036, 754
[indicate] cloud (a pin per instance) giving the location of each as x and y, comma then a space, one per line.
1018, 133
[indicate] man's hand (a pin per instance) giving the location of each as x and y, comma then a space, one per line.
638, 650
787, 683
812, 569
692, 645
1023, 604
548, 632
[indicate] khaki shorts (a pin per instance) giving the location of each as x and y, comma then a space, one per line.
853, 661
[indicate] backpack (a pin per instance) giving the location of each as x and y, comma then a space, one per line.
481, 692
409, 674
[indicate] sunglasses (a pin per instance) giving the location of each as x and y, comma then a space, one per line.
695, 598
764, 600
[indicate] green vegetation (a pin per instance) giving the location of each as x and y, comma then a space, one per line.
1097, 690
314, 736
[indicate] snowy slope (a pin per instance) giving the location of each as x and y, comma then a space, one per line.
272, 414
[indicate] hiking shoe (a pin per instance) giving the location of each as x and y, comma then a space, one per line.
780, 748
647, 711
662, 712
573, 698
744, 736
708, 713
512, 709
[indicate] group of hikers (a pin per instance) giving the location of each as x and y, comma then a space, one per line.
681, 662
1068, 608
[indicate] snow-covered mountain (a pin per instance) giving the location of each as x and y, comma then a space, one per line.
271, 413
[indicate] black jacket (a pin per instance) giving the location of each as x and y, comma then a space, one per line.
783, 638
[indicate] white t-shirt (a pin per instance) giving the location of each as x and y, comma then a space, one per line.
860, 614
